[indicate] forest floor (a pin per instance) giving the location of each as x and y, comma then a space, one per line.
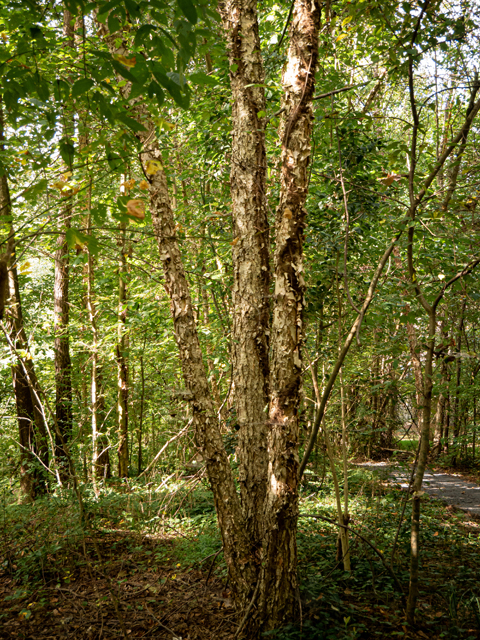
147, 560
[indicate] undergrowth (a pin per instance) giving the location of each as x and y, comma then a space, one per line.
141, 525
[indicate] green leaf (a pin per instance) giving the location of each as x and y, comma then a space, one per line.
115, 162
11, 98
156, 90
188, 9
113, 23
172, 88
103, 106
76, 237
121, 70
32, 192
142, 35
67, 151
42, 89
81, 86
200, 77
92, 244
133, 9
131, 123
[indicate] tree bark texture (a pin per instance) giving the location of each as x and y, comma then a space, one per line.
278, 590
251, 256
236, 543
263, 579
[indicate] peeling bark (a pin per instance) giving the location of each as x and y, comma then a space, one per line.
251, 259
278, 596
236, 543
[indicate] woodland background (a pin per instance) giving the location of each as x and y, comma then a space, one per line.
87, 331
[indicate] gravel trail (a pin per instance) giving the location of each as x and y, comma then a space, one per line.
450, 489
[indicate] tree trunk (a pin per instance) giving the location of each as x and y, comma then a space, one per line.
236, 543
103, 460
122, 362
63, 365
440, 414
265, 577
279, 580
458, 373
420, 471
31, 423
140, 416
251, 259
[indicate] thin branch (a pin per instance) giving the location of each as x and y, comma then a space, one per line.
343, 353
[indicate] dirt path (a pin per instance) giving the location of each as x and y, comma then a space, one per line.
451, 489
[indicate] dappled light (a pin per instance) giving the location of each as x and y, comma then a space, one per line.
239, 320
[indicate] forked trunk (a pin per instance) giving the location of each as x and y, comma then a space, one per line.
278, 591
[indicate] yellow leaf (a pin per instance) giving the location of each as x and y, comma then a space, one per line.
387, 180
143, 185
153, 167
127, 62
25, 268
341, 36
128, 184
136, 209
164, 124
234, 242
347, 20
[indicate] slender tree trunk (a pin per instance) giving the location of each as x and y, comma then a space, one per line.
420, 471
122, 362
103, 460
63, 365
31, 423
458, 373
440, 414
140, 416
446, 434
99, 460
